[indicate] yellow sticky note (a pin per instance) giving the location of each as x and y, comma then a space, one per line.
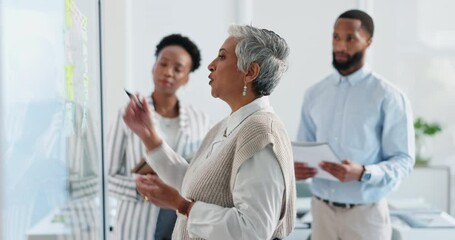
69, 13
69, 69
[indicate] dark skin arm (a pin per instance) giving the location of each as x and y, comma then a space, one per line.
303, 171
345, 171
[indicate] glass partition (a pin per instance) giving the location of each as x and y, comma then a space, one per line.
51, 120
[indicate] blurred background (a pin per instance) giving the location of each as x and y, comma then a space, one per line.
64, 65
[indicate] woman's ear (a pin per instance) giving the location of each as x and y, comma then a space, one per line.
253, 72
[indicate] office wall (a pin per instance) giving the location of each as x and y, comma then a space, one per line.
307, 26
133, 28
413, 48
114, 61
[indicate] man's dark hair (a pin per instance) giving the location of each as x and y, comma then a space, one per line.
365, 19
185, 43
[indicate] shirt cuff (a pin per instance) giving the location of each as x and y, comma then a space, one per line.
194, 215
158, 154
377, 174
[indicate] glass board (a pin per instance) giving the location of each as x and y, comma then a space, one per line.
51, 120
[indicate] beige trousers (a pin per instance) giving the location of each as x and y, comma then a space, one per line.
363, 222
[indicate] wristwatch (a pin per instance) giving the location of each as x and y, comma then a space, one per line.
366, 175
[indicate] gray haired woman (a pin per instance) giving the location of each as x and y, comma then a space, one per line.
240, 184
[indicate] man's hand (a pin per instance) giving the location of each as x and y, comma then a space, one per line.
345, 172
156, 191
303, 171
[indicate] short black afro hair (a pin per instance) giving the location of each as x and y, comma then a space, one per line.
365, 19
185, 43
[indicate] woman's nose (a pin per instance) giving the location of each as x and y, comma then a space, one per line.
211, 67
168, 71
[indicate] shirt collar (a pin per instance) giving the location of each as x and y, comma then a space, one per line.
237, 117
354, 77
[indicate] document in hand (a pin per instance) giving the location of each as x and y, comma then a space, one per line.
312, 153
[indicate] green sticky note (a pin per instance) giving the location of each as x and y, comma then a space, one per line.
69, 69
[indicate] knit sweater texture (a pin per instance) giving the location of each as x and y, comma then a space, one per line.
213, 183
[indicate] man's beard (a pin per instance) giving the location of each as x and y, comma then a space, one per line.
352, 61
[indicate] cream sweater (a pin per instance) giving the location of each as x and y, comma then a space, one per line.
214, 183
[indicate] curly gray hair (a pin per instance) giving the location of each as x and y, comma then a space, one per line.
265, 48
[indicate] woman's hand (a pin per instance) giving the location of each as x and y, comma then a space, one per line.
156, 191
139, 120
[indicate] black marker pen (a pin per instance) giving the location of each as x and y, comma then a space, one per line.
139, 103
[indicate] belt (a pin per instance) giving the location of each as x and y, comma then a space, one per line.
336, 204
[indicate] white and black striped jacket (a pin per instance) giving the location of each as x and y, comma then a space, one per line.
136, 219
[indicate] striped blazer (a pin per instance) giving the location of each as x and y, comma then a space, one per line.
136, 219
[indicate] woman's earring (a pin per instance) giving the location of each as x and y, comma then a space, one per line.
244, 90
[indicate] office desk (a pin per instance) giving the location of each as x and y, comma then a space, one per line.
401, 230
422, 224
434, 187
74, 221
49, 228
302, 230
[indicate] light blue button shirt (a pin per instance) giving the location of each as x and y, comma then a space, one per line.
364, 119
